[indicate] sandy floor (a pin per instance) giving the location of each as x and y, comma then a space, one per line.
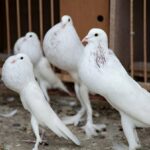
14, 130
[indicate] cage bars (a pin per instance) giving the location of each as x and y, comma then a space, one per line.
52, 12
145, 39
29, 16
8, 26
18, 18
131, 39
41, 18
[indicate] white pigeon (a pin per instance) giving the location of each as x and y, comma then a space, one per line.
64, 49
17, 75
30, 47
102, 73
47, 79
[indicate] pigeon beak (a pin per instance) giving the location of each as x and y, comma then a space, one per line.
13, 61
85, 40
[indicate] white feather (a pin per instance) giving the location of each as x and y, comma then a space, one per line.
36, 104
17, 74
103, 73
44, 73
64, 49
30, 45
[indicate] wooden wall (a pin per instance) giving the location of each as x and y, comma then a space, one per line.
87, 14
120, 30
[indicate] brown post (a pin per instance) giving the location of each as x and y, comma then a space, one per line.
131, 38
41, 18
7, 26
29, 16
52, 12
145, 40
18, 19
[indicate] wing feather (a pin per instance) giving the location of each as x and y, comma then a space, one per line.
40, 108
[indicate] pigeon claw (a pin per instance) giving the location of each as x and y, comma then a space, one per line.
135, 147
91, 129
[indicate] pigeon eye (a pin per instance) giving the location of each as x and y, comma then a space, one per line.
96, 34
69, 20
21, 58
30, 35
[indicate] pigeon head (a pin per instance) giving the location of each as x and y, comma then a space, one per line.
96, 35
31, 36
17, 71
66, 20
18, 60
30, 46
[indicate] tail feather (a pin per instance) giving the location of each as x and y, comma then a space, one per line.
61, 86
47, 74
59, 128
66, 132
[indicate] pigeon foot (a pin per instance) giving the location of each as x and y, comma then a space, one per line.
91, 129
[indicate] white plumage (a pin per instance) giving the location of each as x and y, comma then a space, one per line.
30, 45
103, 73
64, 49
17, 74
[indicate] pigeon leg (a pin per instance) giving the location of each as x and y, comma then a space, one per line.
137, 138
35, 128
130, 132
42, 134
76, 118
90, 128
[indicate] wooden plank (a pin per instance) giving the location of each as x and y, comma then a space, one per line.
8, 26
145, 85
29, 16
139, 69
113, 24
18, 18
138, 66
41, 18
52, 12
145, 39
131, 39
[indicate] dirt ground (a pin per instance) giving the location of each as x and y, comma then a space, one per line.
14, 131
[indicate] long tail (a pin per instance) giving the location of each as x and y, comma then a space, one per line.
62, 131
67, 133
61, 86
49, 75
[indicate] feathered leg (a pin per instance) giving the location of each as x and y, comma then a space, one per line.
76, 118
130, 132
90, 128
35, 128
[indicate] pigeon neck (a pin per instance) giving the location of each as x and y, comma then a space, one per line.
101, 55
27, 84
103, 48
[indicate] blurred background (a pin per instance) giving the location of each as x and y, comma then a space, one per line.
126, 23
